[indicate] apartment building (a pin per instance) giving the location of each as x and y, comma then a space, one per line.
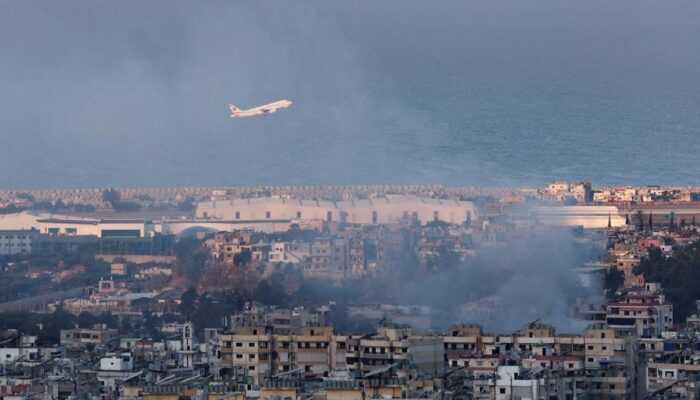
314, 352
328, 259
17, 241
249, 350
224, 246
97, 335
395, 345
598, 364
318, 352
641, 313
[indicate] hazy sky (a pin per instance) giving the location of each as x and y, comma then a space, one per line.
134, 93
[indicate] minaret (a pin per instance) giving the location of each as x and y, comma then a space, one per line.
187, 345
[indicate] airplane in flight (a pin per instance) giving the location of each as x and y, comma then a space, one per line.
260, 110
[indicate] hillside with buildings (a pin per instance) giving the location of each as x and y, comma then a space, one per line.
403, 295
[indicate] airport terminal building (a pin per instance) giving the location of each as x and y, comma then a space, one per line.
366, 211
68, 225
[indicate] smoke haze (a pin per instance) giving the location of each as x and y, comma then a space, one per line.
134, 93
505, 287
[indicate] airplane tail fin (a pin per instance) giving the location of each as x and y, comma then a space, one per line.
233, 108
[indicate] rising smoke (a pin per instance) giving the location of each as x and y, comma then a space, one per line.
502, 288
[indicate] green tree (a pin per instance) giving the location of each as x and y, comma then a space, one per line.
679, 276
242, 258
188, 300
671, 223
86, 320
639, 214
126, 326
111, 196
614, 279
187, 204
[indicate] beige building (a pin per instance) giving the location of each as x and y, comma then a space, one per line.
598, 364
641, 313
316, 352
67, 225
589, 217
83, 336
368, 211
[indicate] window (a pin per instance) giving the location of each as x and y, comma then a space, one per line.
268, 214
238, 215
374, 217
502, 390
436, 215
298, 214
329, 216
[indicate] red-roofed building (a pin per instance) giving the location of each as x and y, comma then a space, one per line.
649, 243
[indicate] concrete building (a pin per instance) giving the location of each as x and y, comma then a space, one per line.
65, 225
368, 211
318, 352
588, 217
641, 313
82, 336
17, 241
395, 345
328, 259
117, 362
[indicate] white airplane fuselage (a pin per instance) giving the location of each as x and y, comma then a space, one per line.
260, 110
